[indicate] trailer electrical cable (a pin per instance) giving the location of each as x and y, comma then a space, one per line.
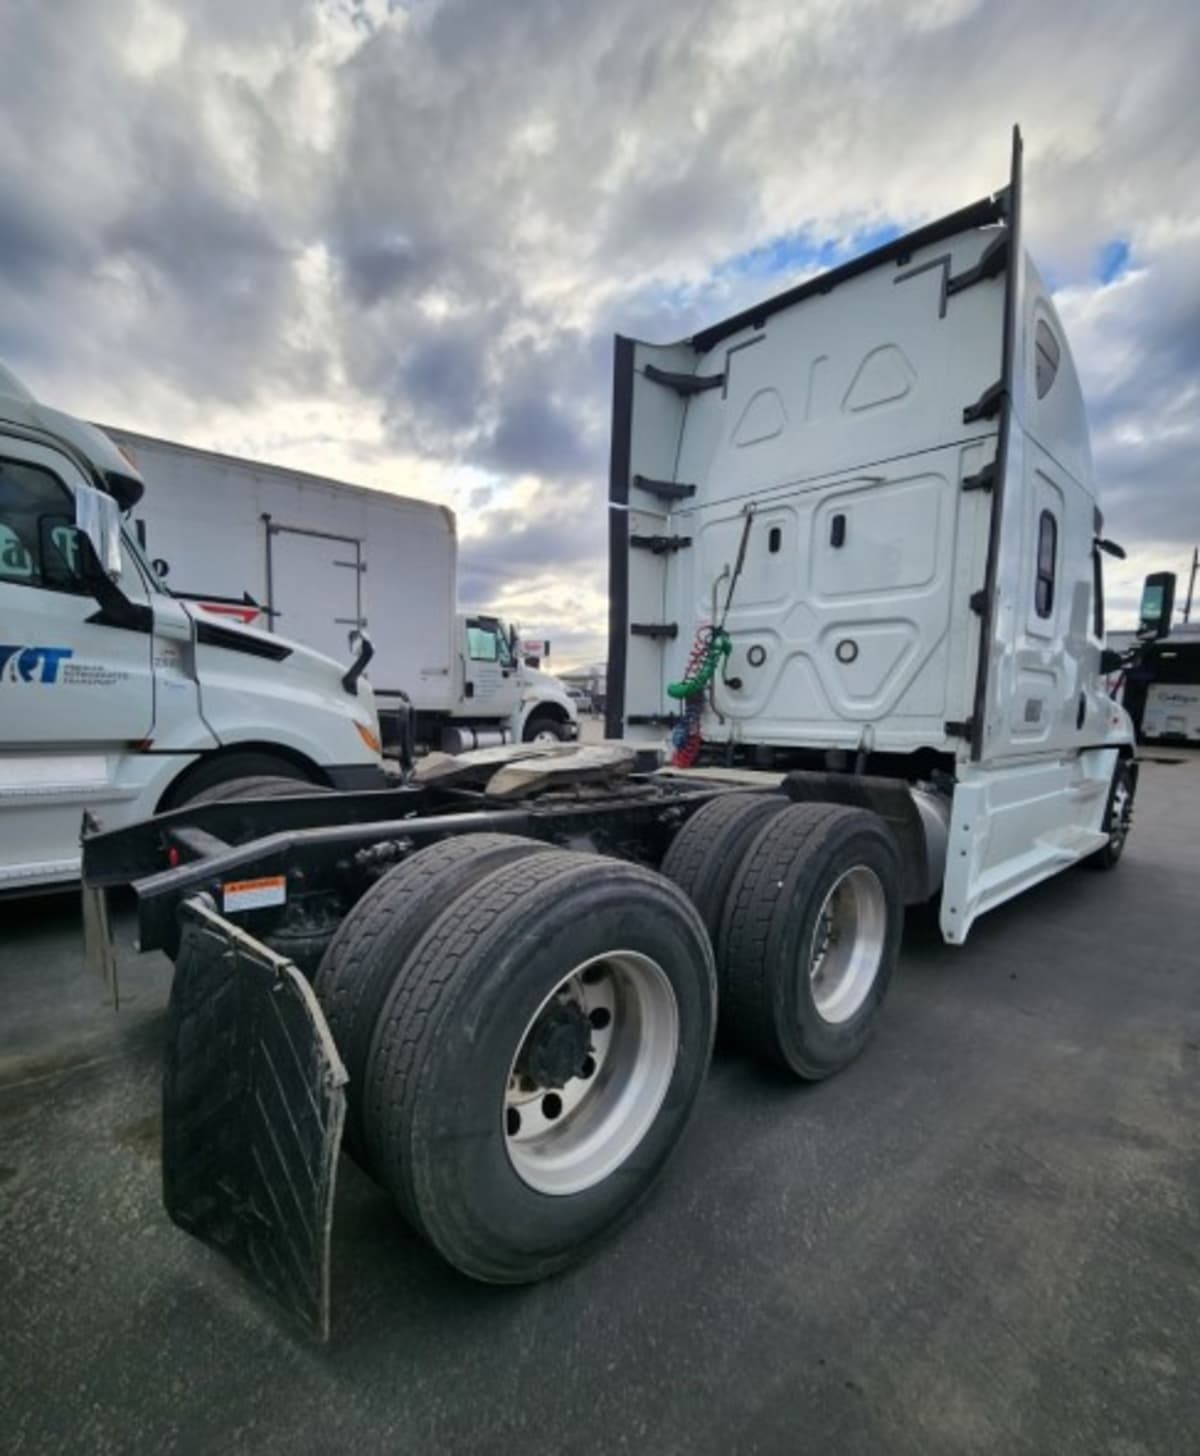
710, 649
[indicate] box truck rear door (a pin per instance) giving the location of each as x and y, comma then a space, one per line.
315, 586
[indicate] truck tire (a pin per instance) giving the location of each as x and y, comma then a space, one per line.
1118, 818
704, 856
544, 728
370, 945
538, 1058
810, 937
224, 770
257, 786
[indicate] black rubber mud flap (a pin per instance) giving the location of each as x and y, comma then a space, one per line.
253, 1104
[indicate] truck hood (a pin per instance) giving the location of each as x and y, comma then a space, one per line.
543, 685
213, 631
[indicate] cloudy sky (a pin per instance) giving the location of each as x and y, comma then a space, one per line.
391, 241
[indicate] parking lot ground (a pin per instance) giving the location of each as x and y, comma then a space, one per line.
983, 1237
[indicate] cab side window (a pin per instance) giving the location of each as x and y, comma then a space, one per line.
481, 643
38, 542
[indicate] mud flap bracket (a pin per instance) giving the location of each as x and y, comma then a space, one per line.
253, 1105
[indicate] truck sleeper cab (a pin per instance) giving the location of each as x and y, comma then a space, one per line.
868, 503
879, 485
114, 696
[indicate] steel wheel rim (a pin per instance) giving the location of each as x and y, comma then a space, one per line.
846, 949
601, 1117
544, 735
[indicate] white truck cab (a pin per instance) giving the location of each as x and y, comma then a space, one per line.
497, 697
115, 697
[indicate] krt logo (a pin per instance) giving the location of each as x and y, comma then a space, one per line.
31, 664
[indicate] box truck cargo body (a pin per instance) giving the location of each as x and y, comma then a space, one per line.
303, 548
317, 559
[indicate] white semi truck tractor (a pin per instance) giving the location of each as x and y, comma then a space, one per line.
116, 697
857, 593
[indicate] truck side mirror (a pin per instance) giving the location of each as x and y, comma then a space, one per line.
1110, 548
364, 650
1158, 605
98, 521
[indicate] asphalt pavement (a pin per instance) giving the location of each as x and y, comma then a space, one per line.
982, 1237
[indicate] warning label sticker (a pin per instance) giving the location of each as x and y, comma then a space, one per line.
254, 894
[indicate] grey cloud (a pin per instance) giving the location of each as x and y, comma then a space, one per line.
378, 266
493, 190
534, 436
553, 546
443, 377
548, 533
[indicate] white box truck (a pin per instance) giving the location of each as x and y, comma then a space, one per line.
869, 504
315, 559
117, 698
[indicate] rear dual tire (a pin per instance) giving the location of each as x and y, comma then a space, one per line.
550, 976
708, 851
805, 905
384, 928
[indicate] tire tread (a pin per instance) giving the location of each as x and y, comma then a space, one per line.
747, 1005
364, 945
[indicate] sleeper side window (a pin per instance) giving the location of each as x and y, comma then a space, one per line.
1047, 553
1046, 355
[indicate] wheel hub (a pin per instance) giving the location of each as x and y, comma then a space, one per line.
847, 945
593, 1067
557, 1047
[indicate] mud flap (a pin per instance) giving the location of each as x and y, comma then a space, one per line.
98, 952
253, 1105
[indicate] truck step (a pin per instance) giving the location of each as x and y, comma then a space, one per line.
984, 479
664, 489
684, 384
987, 405
992, 263
660, 545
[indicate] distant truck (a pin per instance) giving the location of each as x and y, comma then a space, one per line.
119, 699
317, 559
1162, 694
1172, 713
